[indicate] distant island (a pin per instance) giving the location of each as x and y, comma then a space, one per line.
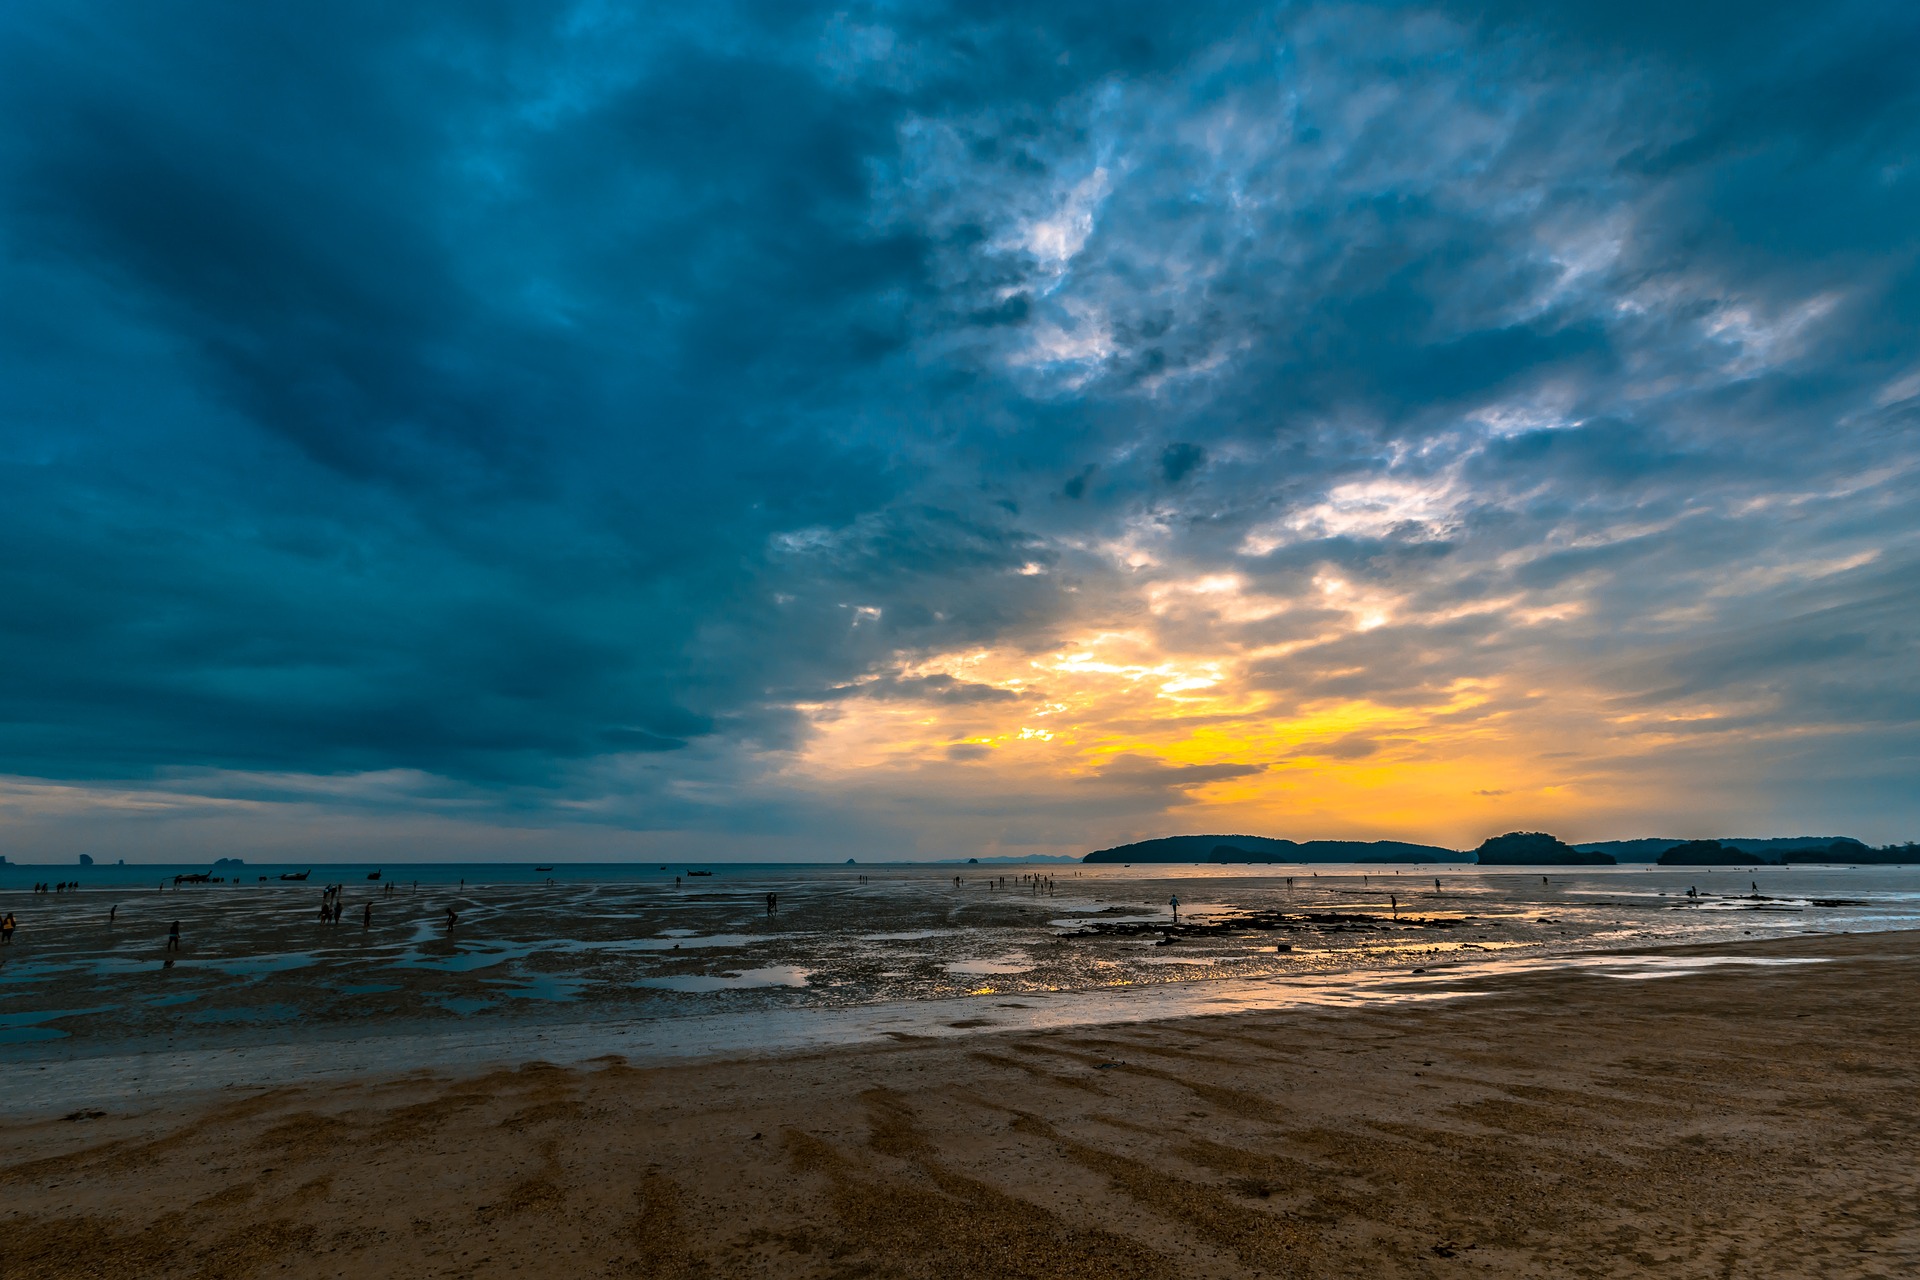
1709, 853
1514, 849
1261, 849
1536, 849
1770, 849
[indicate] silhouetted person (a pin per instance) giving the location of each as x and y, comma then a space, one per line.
771, 901
6, 930
1174, 902
112, 911
1396, 905
366, 916
453, 918
173, 937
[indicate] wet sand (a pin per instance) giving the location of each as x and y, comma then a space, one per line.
1742, 1120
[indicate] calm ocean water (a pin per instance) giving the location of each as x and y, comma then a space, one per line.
620, 958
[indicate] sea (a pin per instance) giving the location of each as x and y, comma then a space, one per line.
436, 965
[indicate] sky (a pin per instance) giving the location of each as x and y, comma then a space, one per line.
929, 430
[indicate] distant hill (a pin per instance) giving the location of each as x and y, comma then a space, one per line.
1011, 860
1770, 848
1536, 849
1708, 853
1514, 849
1267, 849
1648, 850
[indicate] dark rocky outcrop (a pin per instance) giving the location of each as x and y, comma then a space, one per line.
1536, 849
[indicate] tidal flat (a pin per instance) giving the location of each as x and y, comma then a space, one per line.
626, 960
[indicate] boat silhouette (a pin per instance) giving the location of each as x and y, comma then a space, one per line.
296, 875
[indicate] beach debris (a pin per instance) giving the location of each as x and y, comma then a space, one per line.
85, 1113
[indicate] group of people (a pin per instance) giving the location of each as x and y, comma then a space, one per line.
332, 908
1034, 883
65, 886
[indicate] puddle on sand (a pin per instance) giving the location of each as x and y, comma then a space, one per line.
162, 1002
1016, 963
779, 975
23, 1028
250, 1013
1641, 967
546, 986
1199, 960
252, 966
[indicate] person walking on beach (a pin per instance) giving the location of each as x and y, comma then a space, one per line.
112, 911
452, 919
771, 902
6, 930
173, 937
1174, 902
366, 917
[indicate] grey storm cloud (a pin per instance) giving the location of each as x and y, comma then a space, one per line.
549, 403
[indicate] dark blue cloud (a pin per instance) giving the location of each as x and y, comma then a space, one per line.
554, 404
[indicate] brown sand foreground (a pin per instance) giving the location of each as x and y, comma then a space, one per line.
1749, 1121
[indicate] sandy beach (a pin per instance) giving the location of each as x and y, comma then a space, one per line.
1746, 1119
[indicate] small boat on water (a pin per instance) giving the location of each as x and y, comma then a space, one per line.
373, 875
543, 868
699, 873
296, 875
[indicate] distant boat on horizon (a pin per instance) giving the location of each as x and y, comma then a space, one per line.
373, 875
543, 868
296, 875
699, 873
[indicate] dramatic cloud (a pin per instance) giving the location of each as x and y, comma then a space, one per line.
931, 429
